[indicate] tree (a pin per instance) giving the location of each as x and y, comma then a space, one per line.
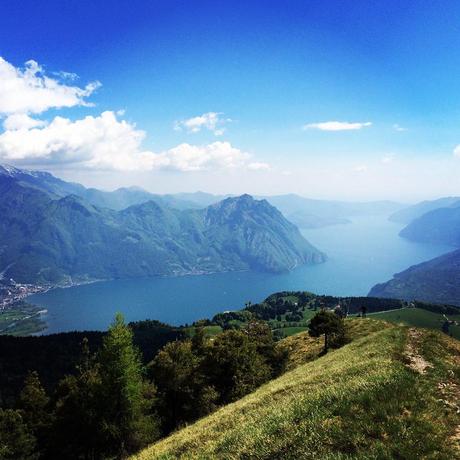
16, 440
331, 326
128, 420
33, 406
184, 392
78, 411
363, 311
234, 366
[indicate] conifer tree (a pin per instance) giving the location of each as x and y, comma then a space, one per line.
128, 422
34, 409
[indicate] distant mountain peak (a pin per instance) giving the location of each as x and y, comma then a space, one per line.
12, 171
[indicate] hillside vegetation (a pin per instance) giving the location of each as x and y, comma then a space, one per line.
437, 280
390, 394
53, 239
419, 317
441, 226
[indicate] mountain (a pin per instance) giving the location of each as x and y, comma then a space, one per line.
309, 213
303, 212
118, 199
199, 199
41, 180
387, 394
437, 280
439, 226
408, 214
50, 239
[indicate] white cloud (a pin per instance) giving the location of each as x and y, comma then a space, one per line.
360, 168
104, 142
217, 155
258, 166
337, 126
396, 127
211, 121
21, 121
388, 158
29, 90
457, 151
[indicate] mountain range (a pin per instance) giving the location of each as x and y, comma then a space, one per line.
441, 226
407, 214
51, 232
437, 280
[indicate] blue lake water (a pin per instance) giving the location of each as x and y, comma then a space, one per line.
361, 254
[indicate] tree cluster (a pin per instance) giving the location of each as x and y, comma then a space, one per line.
113, 405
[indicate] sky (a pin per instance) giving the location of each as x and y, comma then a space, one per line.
345, 99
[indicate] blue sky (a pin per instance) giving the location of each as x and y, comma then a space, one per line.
269, 73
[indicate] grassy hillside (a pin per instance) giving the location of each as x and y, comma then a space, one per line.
419, 318
389, 394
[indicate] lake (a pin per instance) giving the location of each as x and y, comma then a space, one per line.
361, 254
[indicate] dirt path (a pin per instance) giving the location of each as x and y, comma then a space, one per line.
416, 361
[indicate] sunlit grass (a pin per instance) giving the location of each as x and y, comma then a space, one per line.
419, 318
361, 401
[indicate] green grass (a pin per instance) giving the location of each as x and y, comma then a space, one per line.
361, 401
23, 319
419, 318
292, 330
209, 331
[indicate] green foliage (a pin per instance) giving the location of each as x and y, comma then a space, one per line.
16, 439
126, 419
78, 410
42, 238
359, 402
234, 366
22, 319
54, 356
183, 390
437, 280
34, 408
419, 317
331, 326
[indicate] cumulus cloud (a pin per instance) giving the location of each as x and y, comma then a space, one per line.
30, 90
457, 151
105, 142
337, 126
211, 121
21, 121
396, 127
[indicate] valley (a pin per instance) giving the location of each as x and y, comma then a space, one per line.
360, 254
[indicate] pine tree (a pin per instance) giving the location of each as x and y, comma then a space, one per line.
128, 421
34, 409
16, 440
78, 427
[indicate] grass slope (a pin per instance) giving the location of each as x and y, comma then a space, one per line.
419, 318
361, 401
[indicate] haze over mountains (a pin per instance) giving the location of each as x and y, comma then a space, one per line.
55, 231
407, 214
49, 235
437, 280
